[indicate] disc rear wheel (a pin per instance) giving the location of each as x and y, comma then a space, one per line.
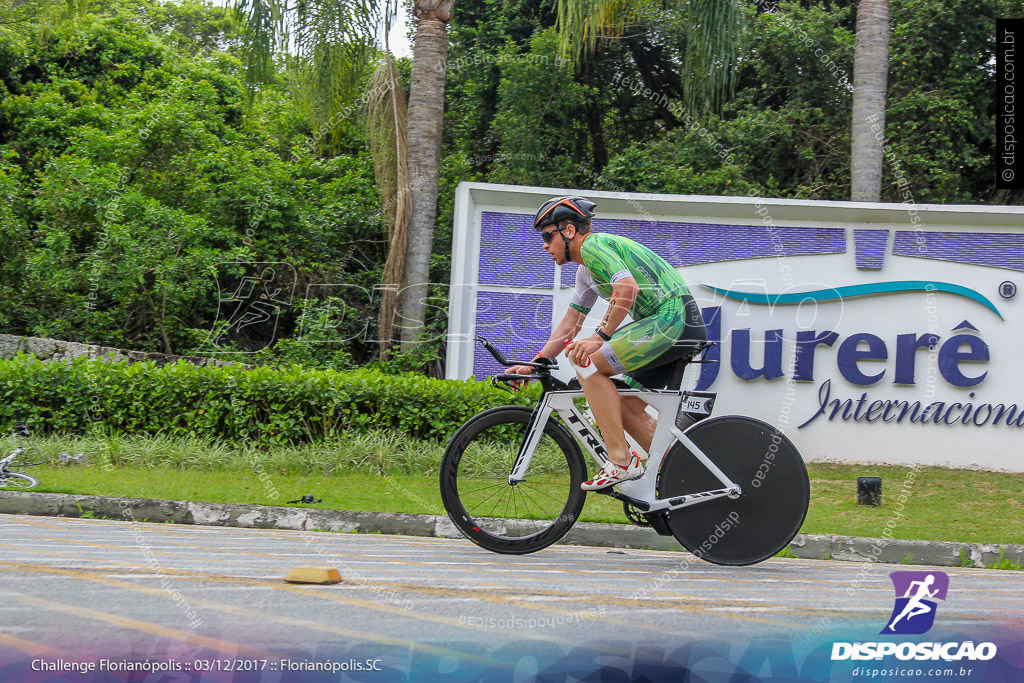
770, 473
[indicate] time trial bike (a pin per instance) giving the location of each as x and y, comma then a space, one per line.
732, 489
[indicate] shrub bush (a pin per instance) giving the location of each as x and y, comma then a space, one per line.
265, 405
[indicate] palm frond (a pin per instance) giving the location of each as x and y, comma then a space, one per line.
582, 22
386, 131
264, 36
331, 42
715, 37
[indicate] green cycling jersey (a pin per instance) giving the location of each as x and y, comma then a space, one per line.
610, 258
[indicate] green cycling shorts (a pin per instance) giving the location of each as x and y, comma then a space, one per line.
642, 349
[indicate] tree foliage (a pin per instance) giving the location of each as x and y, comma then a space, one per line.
133, 167
787, 131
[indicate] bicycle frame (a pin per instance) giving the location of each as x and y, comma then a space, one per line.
6, 461
639, 492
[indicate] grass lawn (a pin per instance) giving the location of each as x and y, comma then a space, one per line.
940, 504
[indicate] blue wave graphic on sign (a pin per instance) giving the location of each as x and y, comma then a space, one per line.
849, 291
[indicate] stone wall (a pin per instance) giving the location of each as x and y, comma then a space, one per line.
55, 349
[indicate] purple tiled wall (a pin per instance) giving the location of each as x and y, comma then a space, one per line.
511, 252
687, 244
518, 324
984, 249
870, 247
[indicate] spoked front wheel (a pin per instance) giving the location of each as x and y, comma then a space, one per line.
768, 469
11, 481
511, 518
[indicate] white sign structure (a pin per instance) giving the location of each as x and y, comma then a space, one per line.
887, 333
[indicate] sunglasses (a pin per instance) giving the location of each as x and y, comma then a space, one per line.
550, 235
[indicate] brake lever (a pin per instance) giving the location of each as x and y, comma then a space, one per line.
502, 385
500, 381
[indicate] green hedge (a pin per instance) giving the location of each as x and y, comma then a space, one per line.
266, 405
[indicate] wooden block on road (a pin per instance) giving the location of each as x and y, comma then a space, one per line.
313, 574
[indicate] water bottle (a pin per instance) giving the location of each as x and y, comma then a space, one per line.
582, 371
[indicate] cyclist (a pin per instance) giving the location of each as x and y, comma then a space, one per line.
667, 326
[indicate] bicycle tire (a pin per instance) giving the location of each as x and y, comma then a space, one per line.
17, 481
503, 518
770, 473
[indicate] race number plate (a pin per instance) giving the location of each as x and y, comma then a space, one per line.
700, 405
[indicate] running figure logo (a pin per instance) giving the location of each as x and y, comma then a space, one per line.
916, 592
250, 301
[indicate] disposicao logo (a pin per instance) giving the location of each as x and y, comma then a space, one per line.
916, 592
913, 613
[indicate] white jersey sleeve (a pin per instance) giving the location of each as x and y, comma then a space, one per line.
586, 294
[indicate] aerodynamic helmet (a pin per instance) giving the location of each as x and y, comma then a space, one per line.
564, 208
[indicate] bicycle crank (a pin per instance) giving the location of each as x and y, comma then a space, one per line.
634, 514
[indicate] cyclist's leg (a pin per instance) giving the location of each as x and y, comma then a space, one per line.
632, 347
651, 348
638, 342
603, 398
637, 421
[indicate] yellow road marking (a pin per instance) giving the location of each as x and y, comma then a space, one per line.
703, 573
821, 583
485, 596
134, 624
687, 606
177, 634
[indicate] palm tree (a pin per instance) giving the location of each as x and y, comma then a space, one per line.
870, 76
426, 116
714, 40
335, 41
712, 52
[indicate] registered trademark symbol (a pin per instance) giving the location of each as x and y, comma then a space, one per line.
1007, 290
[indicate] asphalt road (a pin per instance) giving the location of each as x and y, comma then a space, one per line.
210, 603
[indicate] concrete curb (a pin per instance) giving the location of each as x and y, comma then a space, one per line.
807, 546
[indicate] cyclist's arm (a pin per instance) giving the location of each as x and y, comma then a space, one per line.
624, 293
566, 330
572, 322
